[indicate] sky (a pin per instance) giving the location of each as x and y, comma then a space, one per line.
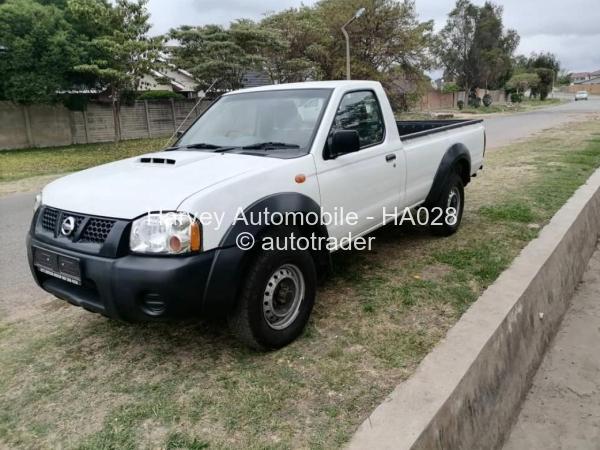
569, 29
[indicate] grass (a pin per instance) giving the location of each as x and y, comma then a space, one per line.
72, 379
25, 163
526, 105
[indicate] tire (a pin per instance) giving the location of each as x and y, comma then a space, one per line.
453, 195
276, 299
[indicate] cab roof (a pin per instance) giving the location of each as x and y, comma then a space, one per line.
351, 84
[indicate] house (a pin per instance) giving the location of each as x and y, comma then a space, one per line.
578, 77
593, 80
170, 78
256, 79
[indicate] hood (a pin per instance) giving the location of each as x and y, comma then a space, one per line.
155, 181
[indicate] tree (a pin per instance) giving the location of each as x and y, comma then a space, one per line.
388, 37
123, 53
474, 48
521, 82
564, 78
492, 49
40, 50
546, 66
544, 61
300, 51
63, 45
388, 42
544, 87
220, 57
455, 43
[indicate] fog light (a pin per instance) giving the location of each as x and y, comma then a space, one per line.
153, 305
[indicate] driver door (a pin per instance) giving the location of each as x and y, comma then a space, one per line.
364, 182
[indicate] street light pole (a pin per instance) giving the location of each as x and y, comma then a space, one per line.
358, 13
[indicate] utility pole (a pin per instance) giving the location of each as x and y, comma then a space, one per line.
358, 13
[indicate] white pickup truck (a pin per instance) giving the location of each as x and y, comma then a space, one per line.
169, 234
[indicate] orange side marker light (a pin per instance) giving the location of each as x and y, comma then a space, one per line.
300, 178
195, 238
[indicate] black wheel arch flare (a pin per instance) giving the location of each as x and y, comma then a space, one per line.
457, 158
230, 263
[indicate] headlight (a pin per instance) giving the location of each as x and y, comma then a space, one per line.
37, 202
165, 233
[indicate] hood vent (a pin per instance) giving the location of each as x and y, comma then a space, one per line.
148, 160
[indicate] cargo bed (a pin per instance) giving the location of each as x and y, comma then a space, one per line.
410, 129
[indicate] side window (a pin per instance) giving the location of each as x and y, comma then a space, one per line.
360, 111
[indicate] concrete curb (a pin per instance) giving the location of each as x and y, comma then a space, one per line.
467, 392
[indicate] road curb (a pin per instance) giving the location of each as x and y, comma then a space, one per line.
466, 393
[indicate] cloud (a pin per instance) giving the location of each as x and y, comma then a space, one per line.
167, 14
570, 29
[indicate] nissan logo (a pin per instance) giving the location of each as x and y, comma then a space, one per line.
68, 226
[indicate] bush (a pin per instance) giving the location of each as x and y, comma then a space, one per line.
487, 100
515, 97
127, 97
449, 88
76, 102
460, 104
475, 101
159, 95
545, 86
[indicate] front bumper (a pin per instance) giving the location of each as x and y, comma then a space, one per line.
141, 288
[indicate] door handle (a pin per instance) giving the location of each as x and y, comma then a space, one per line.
390, 157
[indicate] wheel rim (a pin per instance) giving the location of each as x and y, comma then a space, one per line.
454, 199
283, 295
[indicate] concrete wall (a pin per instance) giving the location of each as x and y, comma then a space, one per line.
467, 392
48, 126
434, 100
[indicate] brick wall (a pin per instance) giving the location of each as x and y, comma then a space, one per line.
590, 88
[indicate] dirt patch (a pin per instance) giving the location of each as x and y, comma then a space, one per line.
27, 184
434, 272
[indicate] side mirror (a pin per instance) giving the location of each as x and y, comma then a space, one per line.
342, 142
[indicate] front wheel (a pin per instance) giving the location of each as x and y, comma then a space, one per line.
451, 202
276, 300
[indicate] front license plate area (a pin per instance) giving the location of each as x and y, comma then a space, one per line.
54, 264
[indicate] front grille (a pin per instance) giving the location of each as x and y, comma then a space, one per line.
49, 219
78, 220
97, 230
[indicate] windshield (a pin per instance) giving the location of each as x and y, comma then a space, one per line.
282, 119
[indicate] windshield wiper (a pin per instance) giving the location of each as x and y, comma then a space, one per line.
269, 146
203, 146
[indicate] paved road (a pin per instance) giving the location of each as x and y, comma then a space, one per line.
17, 289
562, 409
504, 129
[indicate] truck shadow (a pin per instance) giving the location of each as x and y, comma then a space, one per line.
199, 337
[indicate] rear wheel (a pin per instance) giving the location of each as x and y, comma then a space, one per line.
451, 203
276, 300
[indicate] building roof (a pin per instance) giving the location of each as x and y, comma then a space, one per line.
179, 79
255, 79
594, 80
